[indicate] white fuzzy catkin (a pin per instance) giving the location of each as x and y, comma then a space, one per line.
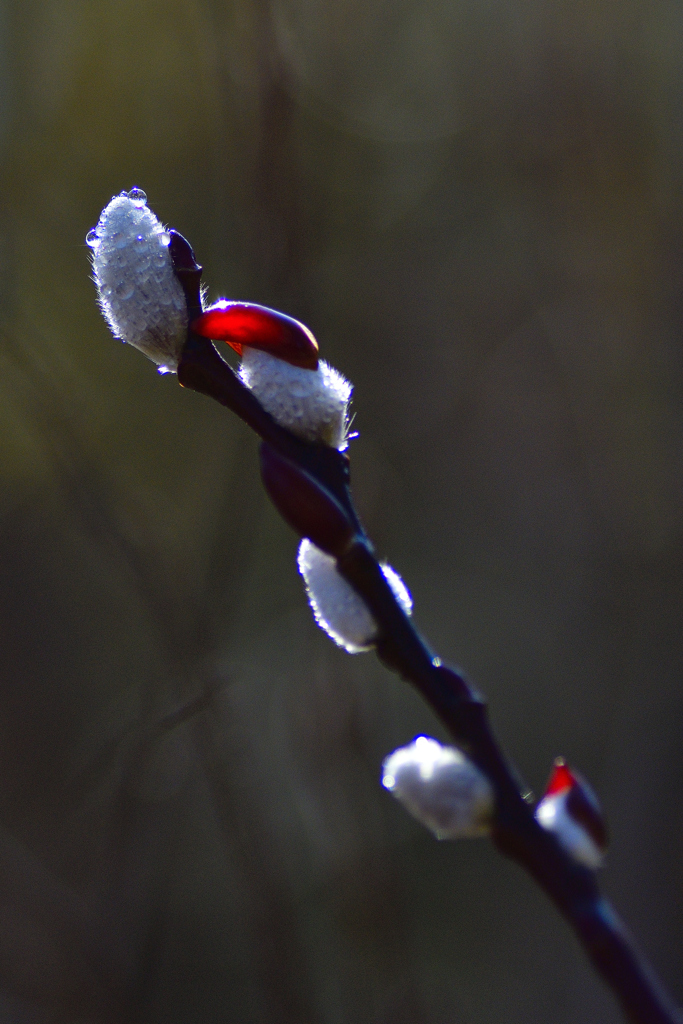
313, 404
336, 606
440, 787
553, 815
139, 294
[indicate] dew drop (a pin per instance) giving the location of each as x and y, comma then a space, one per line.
138, 196
164, 369
164, 238
92, 238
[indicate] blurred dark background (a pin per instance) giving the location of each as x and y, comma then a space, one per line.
476, 206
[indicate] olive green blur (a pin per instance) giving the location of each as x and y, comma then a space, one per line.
477, 208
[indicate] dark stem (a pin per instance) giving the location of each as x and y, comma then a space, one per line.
516, 833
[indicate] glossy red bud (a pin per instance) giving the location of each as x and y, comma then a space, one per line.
244, 323
303, 503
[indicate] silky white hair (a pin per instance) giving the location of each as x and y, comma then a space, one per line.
336, 606
440, 787
313, 404
140, 296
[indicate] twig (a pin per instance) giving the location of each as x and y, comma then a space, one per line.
516, 833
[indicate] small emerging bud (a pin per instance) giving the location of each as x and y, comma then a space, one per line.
571, 811
140, 296
336, 606
440, 787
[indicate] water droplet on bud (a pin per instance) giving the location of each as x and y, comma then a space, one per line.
92, 238
138, 196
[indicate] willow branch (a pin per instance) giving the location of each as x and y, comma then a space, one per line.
516, 833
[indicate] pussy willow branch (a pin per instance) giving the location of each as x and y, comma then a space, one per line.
516, 833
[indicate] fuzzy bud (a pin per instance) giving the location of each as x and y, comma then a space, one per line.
280, 365
313, 404
336, 606
571, 811
140, 296
440, 787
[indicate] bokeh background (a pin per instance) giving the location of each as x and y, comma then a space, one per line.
476, 206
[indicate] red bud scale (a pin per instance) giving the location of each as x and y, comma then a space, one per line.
247, 324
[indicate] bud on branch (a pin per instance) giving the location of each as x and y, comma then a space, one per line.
302, 502
337, 608
441, 788
140, 296
570, 810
